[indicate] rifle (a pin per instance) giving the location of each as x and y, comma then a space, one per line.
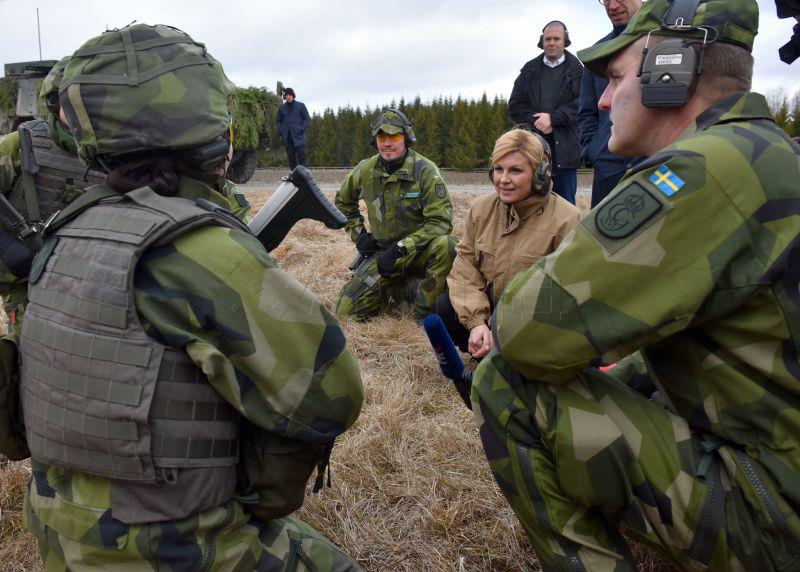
297, 197
450, 362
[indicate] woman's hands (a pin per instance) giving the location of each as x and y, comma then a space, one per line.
480, 341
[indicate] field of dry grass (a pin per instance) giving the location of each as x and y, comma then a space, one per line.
411, 489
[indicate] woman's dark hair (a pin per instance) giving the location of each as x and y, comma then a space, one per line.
159, 172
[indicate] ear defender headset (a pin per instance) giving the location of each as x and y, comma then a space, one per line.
540, 180
669, 71
408, 130
567, 43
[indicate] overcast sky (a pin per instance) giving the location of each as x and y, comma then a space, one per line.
357, 52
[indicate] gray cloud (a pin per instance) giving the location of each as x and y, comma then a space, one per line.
356, 52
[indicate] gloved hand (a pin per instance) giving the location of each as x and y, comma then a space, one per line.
388, 259
366, 243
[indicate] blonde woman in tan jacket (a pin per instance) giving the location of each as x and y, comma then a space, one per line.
506, 232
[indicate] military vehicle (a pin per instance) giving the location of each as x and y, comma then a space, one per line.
19, 90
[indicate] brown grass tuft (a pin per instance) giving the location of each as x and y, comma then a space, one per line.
411, 488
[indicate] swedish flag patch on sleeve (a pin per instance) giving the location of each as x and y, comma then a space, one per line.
666, 180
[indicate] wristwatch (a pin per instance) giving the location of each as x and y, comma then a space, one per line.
401, 246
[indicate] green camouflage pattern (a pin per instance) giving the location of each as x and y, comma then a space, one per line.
735, 21
10, 169
422, 280
411, 205
694, 260
390, 122
52, 81
165, 96
272, 350
86, 536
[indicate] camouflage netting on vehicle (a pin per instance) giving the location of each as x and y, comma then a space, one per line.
179, 99
253, 110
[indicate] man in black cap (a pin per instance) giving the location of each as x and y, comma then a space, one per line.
292, 122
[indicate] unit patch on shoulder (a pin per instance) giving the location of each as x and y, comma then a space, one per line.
440, 190
626, 212
666, 180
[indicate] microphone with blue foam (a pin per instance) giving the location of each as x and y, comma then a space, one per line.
449, 359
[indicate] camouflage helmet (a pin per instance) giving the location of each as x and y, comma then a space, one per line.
394, 121
48, 92
143, 88
731, 21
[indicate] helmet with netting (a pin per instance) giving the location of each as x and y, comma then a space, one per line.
143, 88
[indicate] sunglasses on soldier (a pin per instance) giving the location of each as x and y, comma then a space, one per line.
386, 137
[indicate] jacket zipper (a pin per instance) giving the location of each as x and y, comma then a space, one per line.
710, 519
768, 502
209, 552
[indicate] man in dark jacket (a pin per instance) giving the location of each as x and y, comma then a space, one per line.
292, 122
545, 95
595, 124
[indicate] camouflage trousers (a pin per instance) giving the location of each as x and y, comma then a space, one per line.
584, 461
367, 294
226, 538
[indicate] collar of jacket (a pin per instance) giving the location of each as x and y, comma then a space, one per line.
193, 189
523, 210
404, 172
188, 188
571, 61
741, 106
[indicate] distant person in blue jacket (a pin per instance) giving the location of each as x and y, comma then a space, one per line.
292, 122
595, 125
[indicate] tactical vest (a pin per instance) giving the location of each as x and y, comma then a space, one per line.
98, 394
50, 175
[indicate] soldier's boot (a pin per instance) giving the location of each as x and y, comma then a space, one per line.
622, 461
438, 259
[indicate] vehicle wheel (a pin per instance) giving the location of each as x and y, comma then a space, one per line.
243, 168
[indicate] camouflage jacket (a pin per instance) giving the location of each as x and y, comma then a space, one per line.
411, 204
695, 260
265, 342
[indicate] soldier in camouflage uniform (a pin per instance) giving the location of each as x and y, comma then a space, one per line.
410, 217
694, 259
160, 333
58, 178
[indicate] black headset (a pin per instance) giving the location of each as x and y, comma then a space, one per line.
540, 180
567, 43
408, 128
669, 70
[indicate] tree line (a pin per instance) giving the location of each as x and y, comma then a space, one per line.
453, 133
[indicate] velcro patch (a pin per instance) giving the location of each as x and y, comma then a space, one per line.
626, 212
440, 190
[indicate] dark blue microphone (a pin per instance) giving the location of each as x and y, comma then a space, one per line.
450, 361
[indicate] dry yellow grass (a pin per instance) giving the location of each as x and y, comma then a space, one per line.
411, 488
